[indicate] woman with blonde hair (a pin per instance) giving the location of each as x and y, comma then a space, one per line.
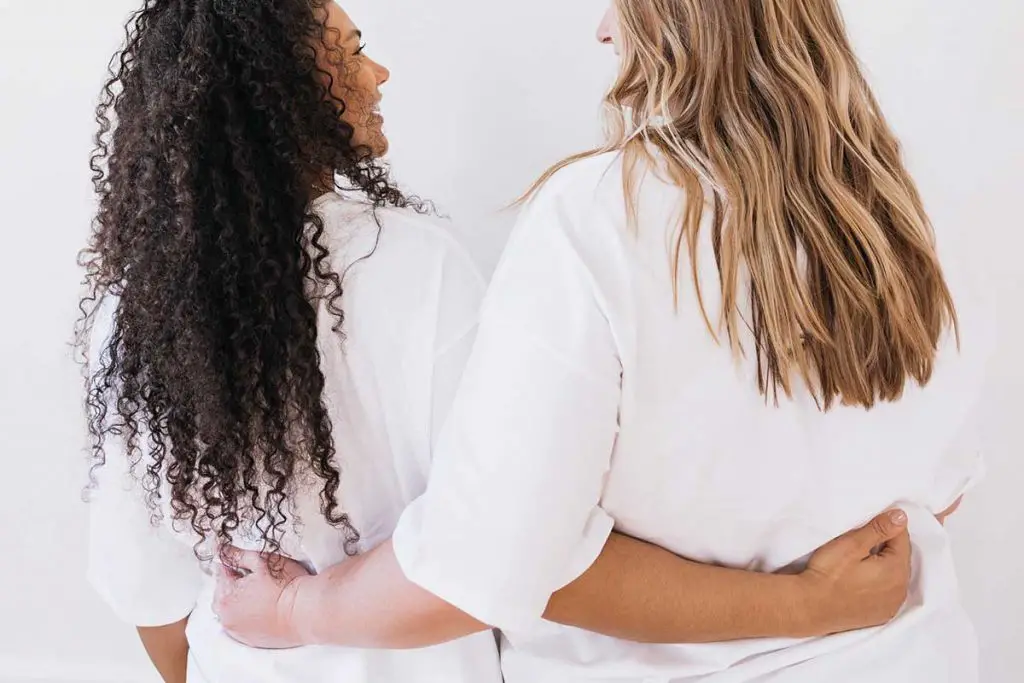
726, 332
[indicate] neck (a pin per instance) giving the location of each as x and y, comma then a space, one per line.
322, 184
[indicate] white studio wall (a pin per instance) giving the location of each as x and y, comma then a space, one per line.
484, 95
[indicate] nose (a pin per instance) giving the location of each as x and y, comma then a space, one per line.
382, 74
605, 34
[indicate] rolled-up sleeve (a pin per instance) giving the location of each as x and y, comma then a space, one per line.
511, 513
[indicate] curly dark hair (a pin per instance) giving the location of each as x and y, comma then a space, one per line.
214, 124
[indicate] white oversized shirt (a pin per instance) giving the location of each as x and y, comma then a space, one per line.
411, 302
590, 402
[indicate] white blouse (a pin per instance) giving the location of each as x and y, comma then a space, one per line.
590, 402
411, 314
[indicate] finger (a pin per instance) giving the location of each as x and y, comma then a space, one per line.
945, 514
895, 557
898, 549
220, 597
251, 561
226, 573
225, 584
876, 533
243, 562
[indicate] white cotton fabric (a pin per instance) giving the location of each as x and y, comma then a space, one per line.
411, 309
590, 401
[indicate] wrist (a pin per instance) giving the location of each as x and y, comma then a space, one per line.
815, 611
804, 607
294, 609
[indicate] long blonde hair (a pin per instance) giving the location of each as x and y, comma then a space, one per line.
759, 109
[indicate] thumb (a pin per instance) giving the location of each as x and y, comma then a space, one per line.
250, 562
242, 562
226, 574
879, 531
224, 587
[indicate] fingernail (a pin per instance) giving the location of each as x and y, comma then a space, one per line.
898, 517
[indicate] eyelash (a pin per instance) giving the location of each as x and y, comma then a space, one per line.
361, 48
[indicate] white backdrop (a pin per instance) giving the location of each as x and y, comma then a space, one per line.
484, 95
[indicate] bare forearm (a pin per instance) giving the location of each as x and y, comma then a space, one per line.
368, 602
640, 592
634, 591
167, 648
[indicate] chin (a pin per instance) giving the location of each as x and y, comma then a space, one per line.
376, 143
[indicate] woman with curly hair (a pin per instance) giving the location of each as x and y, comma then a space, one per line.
275, 335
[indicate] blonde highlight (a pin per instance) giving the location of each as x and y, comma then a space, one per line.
759, 109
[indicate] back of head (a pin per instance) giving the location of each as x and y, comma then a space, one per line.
218, 120
760, 109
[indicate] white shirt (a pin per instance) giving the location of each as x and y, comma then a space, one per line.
410, 317
589, 402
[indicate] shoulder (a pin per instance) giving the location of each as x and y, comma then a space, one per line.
580, 182
587, 199
391, 241
581, 206
402, 272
